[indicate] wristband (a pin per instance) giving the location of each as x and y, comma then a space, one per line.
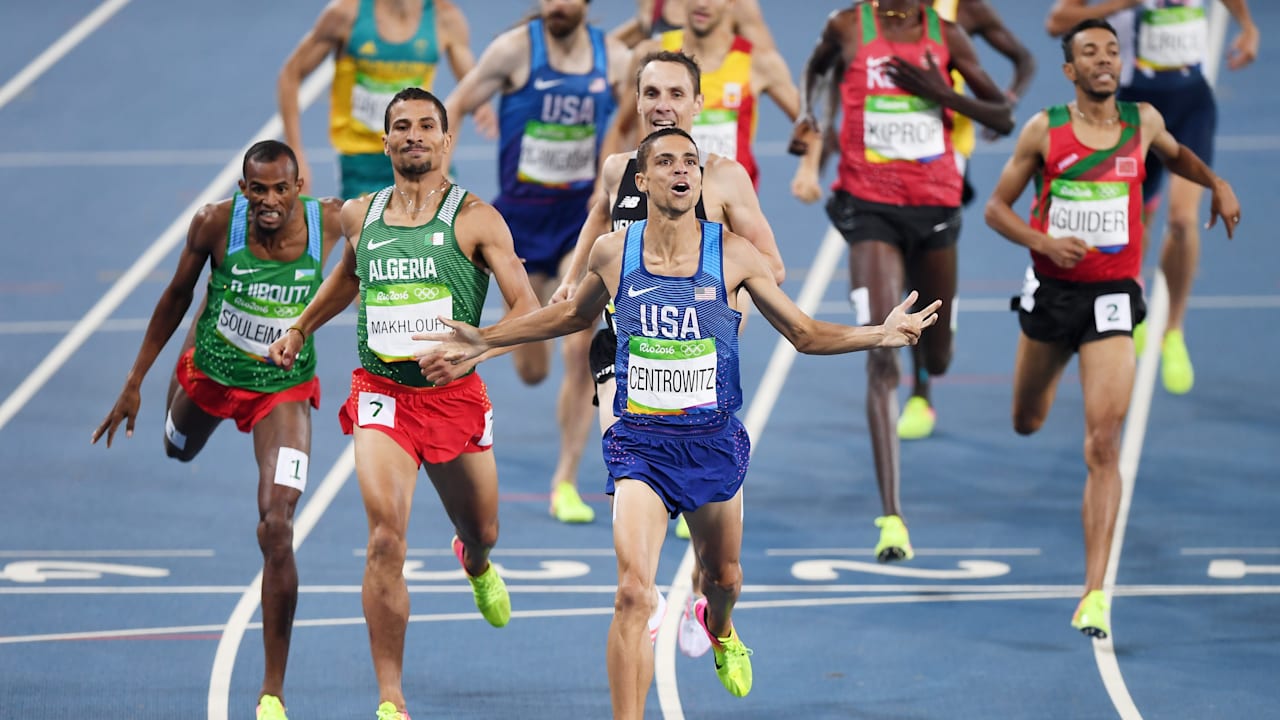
299, 330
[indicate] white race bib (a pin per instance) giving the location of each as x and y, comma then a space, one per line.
375, 409
1095, 212
902, 127
252, 324
369, 106
395, 313
1172, 38
553, 154
1112, 312
716, 131
671, 377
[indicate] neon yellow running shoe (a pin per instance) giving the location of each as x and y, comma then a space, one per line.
389, 711
682, 528
895, 543
733, 659
917, 419
270, 708
1139, 338
1092, 617
492, 598
1175, 364
567, 505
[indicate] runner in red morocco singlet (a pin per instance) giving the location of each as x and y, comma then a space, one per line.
1081, 294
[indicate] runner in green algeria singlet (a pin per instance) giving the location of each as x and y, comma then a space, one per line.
409, 277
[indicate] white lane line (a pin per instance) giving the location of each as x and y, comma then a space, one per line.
750, 589
906, 594
59, 49
141, 268
224, 658
854, 552
1139, 408
766, 395
1135, 430
104, 553
1232, 551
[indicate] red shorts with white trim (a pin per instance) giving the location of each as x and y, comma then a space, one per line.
434, 424
246, 407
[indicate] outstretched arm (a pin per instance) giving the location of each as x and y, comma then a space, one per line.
818, 337
165, 318
465, 342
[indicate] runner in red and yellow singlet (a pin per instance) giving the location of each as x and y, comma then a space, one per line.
1082, 295
898, 190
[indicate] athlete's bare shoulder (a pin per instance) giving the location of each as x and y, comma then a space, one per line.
211, 221
352, 216
611, 173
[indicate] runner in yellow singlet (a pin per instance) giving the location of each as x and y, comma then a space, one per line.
379, 47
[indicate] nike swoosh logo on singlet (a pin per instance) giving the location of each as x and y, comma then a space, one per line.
633, 292
374, 245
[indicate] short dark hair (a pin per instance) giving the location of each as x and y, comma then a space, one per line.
1068, 52
415, 93
646, 145
268, 151
677, 57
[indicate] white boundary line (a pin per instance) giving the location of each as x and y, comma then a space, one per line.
775, 374
59, 49
1139, 408
224, 658
145, 263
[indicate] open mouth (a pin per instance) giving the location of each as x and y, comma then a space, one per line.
680, 188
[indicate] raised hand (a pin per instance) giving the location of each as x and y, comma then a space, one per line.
903, 327
458, 346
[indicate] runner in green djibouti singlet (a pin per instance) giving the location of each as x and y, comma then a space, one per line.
408, 277
252, 302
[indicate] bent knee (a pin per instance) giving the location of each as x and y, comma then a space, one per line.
725, 576
177, 453
634, 596
386, 546
1027, 422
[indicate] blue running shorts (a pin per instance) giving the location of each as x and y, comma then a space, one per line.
687, 467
